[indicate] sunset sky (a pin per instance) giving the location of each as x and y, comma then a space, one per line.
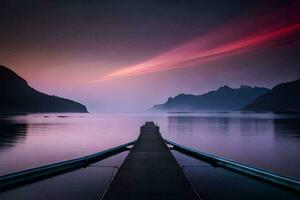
129, 55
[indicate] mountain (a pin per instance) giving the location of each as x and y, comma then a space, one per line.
223, 99
284, 97
16, 96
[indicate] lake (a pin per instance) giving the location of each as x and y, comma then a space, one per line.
265, 140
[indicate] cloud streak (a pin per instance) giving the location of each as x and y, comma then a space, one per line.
226, 41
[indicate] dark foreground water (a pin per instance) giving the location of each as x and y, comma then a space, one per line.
266, 140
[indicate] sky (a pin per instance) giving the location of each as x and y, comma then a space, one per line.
126, 56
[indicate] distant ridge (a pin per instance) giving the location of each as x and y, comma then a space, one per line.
223, 99
16, 96
284, 97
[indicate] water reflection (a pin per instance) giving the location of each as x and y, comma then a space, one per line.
193, 123
220, 125
265, 141
255, 126
11, 132
287, 127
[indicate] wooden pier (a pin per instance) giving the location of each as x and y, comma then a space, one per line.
150, 171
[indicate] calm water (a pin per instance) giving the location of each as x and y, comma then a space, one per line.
269, 141
266, 140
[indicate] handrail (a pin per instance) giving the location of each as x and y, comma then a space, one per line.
18, 178
232, 165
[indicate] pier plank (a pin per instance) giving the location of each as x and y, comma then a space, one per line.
150, 171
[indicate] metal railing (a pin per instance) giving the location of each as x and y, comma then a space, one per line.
241, 168
18, 178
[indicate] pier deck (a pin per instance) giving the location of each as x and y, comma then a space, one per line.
150, 171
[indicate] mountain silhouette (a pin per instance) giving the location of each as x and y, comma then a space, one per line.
223, 99
16, 96
284, 97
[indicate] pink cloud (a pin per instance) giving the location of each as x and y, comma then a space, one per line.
230, 39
